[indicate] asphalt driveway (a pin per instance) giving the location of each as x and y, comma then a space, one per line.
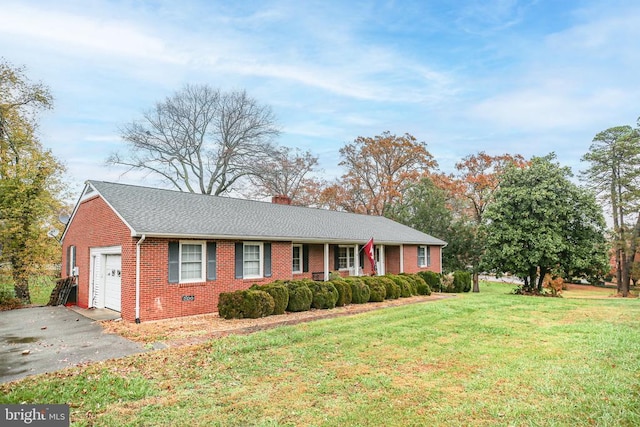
46, 339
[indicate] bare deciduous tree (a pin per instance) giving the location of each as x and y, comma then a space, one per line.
200, 139
283, 174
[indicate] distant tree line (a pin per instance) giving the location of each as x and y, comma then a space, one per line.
500, 213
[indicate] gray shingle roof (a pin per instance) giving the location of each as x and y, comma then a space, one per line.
159, 212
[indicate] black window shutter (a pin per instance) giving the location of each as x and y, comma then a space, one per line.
239, 260
267, 259
361, 259
336, 257
174, 262
305, 258
211, 260
418, 257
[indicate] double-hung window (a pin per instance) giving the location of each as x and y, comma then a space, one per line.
346, 257
252, 260
424, 256
192, 260
297, 259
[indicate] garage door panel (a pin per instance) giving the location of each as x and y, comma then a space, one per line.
112, 288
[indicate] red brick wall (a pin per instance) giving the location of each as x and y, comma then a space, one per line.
411, 259
392, 259
160, 299
96, 225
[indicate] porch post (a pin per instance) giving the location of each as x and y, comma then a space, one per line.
401, 258
356, 260
326, 262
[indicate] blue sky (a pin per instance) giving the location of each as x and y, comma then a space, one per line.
503, 76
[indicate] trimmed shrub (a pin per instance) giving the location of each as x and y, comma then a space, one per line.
377, 290
432, 279
300, 296
360, 292
405, 287
257, 304
249, 304
280, 294
422, 287
412, 279
344, 292
392, 290
334, 275
325, 295
230, 305
461, 281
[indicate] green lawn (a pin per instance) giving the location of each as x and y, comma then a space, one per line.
40, 288
476, 359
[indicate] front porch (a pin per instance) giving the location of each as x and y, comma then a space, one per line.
318, 261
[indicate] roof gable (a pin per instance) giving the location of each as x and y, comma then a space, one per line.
160, 212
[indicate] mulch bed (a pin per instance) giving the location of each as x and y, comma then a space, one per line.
197, 329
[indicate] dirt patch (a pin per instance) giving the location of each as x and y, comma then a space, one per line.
197, 329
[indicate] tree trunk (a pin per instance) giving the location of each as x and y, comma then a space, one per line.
476, 285
532, 278
543, 272
22, 291
20, 281
627, 260
619, 269
624, 286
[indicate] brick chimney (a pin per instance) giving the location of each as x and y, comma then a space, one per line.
281, 199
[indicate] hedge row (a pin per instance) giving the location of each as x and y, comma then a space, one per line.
456, 282
301, 295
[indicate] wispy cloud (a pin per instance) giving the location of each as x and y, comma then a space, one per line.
83, 34
463, 76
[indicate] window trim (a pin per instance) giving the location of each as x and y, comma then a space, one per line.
203, 261
260, 274
427, 256
353, 258
300, 258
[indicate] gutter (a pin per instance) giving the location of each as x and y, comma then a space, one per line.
138, 245
294, 239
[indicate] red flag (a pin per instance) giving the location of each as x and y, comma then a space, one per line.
368, 249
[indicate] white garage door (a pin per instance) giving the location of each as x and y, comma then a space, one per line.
112, 284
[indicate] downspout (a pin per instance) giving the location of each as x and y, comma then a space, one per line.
401, 258
138, 245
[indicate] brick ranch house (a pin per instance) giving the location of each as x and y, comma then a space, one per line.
153, 254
